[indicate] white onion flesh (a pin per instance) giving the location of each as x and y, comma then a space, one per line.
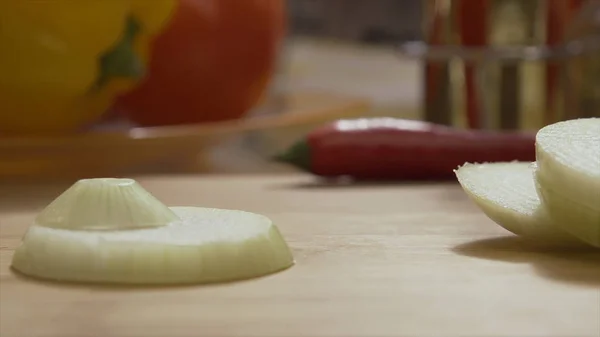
506, 193
207, 245
568, 175
105, 204
573, 217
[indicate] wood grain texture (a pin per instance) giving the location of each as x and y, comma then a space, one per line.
388, 260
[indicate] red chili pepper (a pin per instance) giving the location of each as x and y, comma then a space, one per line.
398, 149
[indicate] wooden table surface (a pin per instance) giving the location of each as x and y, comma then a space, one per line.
388, 260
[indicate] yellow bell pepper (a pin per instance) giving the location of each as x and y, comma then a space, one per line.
62, 63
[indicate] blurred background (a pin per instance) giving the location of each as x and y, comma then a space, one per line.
219, 86
378, 21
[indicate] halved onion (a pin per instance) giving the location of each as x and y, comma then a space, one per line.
568, 175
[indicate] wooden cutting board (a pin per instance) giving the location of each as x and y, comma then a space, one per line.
388, 260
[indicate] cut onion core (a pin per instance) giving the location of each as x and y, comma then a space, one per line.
105, 204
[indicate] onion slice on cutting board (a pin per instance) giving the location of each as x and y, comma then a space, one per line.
506, 193
183, 244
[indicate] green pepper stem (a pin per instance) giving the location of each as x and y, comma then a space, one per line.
297, 155
122, 61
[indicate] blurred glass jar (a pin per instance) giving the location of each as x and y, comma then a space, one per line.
509, 64
64, 64
582, 84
